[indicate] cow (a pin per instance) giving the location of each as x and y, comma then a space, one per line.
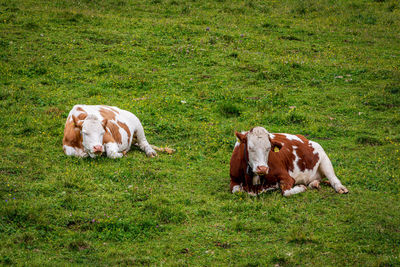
262, 161
91, 130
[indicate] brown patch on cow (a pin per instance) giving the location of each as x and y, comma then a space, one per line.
82, 116
107, 114
238, 166
126, 128
305, 140
80, 109
286, 182
107, 138
111, 108
114, 130
242, 137
284, 156
77, 123
104, 123
307, 158
116, 111
72, 135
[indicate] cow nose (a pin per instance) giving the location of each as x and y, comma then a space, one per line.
263, 170
97, 149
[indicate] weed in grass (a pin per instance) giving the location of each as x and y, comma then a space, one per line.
229, 109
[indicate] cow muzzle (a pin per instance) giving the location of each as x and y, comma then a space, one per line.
262, 170
98, 149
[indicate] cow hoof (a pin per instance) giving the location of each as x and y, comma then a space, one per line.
152, 154
252, 194
237, 189
342, 190
304, 187
314, 185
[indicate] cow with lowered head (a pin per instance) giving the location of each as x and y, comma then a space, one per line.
261, 161
91, 130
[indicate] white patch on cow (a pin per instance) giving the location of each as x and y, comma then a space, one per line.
317, 147
237, 188
292, 137
295, 190
124, 139
71, 151
112, 151
258, 147
306, 176
237, 144
92, 134
272, 136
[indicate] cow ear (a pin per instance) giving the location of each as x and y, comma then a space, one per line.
104, 123
78, 123
275, 146
242, 137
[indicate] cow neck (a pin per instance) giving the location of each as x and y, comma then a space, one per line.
249, 170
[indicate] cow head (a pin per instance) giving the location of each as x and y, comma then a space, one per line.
92, 131
258, 144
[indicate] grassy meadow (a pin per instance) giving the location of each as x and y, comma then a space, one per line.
194, 72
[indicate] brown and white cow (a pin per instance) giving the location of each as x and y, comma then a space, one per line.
91, 130
261, 161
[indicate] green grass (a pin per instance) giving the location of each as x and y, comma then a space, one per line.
194, 72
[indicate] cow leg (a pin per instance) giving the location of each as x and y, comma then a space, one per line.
256, 180
287, 188
326, 169
143, 144
265, 188
112, 150
235, 187
314, 185
250, 187
72, 151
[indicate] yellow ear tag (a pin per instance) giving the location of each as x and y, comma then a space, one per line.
276, 149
